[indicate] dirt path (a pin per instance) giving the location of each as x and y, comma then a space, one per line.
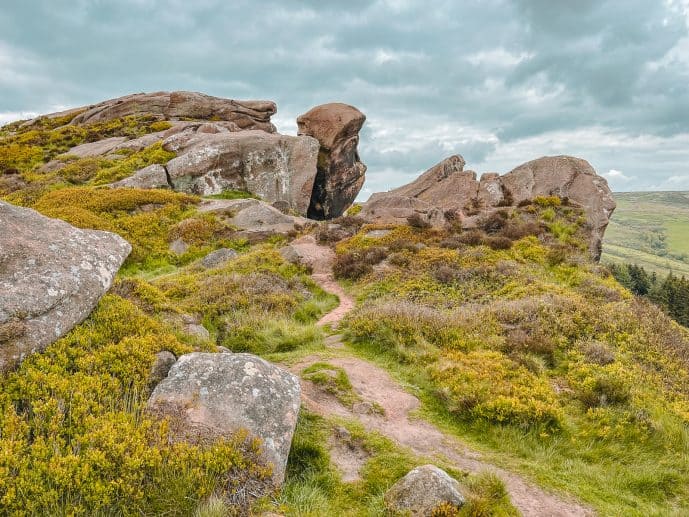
375, 385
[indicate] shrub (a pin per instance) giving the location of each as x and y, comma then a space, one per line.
416, 220
598, 353
493, 222
485, 385
547, 201
518, 230
471, 238
75, 438
498, 243
349, 266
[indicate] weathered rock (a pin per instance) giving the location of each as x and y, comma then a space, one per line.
218, 257
263, 217
161, 366
274, 167
178, 246
51, 277
216, 395
254, 216
340, 170
98, 148
447, 188
422, 490
182, 105
153, 176
389, 208
569, 177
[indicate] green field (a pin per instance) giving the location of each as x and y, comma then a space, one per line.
650, 229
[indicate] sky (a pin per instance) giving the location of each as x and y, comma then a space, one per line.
500, 82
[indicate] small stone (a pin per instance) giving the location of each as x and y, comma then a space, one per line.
422, 490
199, 331
223, 350
178, 246
218, 257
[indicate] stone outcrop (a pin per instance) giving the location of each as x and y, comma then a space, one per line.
153, 176
274, 167
225, 144
212, 396
422, 490
256, 219
179, 106
340, 174
447, 187
51, 277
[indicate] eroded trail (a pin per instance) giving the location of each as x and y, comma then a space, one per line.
375, 386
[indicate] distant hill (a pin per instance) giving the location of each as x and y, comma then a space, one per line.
650, 229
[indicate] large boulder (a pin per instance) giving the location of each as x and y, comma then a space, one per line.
255, 218
211, 396
422, 490
181, 106
569, 177
51, 277
340, 170
274, 167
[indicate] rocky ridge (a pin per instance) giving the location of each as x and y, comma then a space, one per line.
446, 192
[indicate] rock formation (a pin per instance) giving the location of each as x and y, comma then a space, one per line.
51, 277
257, 219
178, 106
274, 167
224, 144
447, 187
422, 490
216, 395
340, 170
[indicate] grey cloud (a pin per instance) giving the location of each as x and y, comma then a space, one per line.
502, 77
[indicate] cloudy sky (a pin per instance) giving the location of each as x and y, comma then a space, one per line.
497, 81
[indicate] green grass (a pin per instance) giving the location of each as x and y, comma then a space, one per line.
314, 486
650, 229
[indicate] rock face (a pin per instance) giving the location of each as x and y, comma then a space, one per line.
51, 277
447, 187
274, 167
216, 395
182, 105
422, 490
340, 170
153, 176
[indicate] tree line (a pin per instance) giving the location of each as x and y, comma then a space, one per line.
671, 293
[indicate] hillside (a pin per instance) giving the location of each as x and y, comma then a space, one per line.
650, 229
477, 336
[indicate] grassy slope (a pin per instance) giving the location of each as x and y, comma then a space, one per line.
537, 358
650, 229
74, 436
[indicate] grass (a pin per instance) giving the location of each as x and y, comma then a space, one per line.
314, 486
650, 229
498, 348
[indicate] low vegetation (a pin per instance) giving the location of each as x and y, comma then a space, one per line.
532, 353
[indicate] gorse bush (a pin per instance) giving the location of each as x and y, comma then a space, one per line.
75, 438
487, 386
